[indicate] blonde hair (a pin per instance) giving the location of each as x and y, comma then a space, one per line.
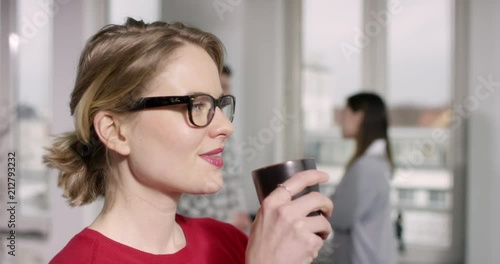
115, 66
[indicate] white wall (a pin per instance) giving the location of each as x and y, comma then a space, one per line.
118, 10
483, 190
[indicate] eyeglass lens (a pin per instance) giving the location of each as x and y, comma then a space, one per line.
203, 109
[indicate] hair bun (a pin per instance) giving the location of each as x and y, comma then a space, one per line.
83, 150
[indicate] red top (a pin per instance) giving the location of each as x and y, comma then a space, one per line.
207, 241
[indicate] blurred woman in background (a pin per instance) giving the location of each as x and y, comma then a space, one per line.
363, 232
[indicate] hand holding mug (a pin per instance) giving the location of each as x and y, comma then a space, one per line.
282, 231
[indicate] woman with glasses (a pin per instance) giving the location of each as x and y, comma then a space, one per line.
363, 231
151, 122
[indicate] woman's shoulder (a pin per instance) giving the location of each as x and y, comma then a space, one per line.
80, 249
372, 168
370, 162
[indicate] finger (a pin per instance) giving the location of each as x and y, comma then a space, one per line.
318, 225
313, 243
294, 185
310, 202
300, 181
310, 233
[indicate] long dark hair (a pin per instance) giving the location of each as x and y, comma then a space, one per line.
375, 123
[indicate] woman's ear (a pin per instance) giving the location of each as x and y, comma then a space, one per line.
109, 130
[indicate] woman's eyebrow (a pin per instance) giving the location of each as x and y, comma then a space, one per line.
201, 93
196, 93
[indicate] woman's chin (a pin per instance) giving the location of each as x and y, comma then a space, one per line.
213, 186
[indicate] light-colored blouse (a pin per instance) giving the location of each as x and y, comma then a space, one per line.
361, 220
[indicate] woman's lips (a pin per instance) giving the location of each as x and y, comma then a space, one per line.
214, 157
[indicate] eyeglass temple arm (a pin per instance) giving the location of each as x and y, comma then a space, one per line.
151, 102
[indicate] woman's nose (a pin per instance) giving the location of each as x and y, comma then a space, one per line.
221, 124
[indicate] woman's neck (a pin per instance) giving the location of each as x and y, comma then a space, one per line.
143, 219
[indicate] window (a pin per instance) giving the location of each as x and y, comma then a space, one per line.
328, 78
437, 199
28, 131
406, 197
413, 49
25, 34
33, 104
419, 98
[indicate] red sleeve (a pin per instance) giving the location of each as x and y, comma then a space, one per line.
79, 250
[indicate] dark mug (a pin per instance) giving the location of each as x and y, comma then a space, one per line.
266, 179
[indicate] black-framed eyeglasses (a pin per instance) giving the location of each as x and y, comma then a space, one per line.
201, 107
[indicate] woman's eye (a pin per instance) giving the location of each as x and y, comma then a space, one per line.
197, 106
200, 106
